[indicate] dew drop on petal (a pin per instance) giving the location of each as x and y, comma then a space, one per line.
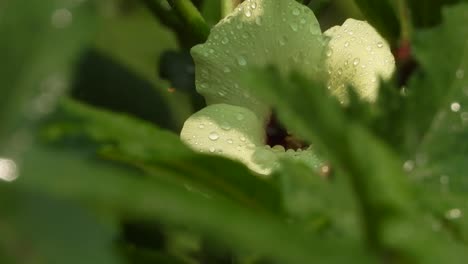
356, 61
241, 61
329, 52
296, 12
240, 117
346, 44
380, 44
225, 126
201, 126
213, 136
242, 139
248, 13
229, 141
294, 26
226, 70
212, 149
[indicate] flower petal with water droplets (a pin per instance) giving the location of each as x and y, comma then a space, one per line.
226, 130
357, 55
259, 32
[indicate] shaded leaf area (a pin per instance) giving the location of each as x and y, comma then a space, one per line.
48, 170
438, 120
139, 144
428, 14
394, 225
321, 206
441, 75
381, 15
102, 82
43, 38
35, 228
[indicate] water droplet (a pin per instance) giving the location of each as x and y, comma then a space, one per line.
296, 12
226, 70
229, 141
204, 86
282, 41
225, 126
340, 71
61, 18
8, 170
455, 107
278, 148
444, 179
346, 44
454, 213
221, 93
225, 40
241, 61
240, 117
329, 52
380, 44
201, 126
464, 116
212, 149
460, 73
408, 166
294, 26
213, 136
302, 21
242, 139
253, 5
356, 61
248, 13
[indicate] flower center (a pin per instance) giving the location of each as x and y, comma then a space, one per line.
276, 135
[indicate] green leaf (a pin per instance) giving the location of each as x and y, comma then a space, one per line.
125, 192
134, 142
259, 32
428, 14
43, 40
37, 229
388, 212
441, 79
438, 120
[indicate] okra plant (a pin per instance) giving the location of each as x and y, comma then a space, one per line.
230, 131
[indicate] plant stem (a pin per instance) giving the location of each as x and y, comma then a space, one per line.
162, 13
405, 22
192, 18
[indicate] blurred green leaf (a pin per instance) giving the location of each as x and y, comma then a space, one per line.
41, 40
144, 146
37, 229
428, 13
438, 121
125, 192
391, 219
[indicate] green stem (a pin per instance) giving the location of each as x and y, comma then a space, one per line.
405, 22
162, 13
192, 18
226, 7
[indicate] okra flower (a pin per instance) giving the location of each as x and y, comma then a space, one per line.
286, 34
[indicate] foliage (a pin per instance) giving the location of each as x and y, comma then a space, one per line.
94, 96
